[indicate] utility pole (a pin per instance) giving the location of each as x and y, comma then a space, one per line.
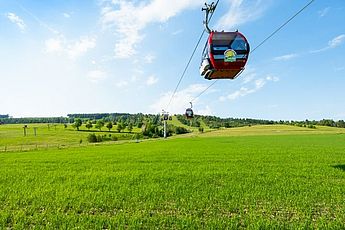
165, 118
165, 129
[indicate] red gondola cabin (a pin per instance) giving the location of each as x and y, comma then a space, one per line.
225, 55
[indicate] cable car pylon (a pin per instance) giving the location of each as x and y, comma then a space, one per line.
165, 118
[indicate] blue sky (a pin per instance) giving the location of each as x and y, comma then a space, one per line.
59, 57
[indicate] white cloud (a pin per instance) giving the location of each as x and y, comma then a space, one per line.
241, 12
206, 111
180, 101
73, 49
243, 91
285, 57
121, 84
54, 45
255, 86
335, 42
260, 83
151, 80
97, 75
66, 15
176, 32
248, 75
129, 20
149, 58
272, 78
17, 20
323, 12
81, 46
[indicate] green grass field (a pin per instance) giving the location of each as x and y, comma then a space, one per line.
55, 136
214, 180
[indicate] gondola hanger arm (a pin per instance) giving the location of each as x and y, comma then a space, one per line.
209, 8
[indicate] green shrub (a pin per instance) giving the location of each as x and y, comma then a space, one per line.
92, 138
181, 130
99, 138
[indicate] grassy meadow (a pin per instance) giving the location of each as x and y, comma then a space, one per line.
51, 136
224, 179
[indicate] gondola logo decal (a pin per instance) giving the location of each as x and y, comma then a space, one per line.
230, 55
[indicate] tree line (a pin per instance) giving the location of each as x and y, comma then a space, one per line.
217, 122
154, 120
31, 120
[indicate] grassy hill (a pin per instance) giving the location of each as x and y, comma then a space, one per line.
176, 122
258, 130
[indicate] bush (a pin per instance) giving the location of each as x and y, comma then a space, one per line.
214, 126
99, 138
181, 130
114, 138
137, 136
201, 129
92, 138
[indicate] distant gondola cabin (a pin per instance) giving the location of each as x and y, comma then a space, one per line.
189, 113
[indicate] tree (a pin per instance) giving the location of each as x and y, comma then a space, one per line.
119, 127
130, 127
77, 123
227, 125
89, 125
327, 122
123, 126
109, 126
99, 125
140, 124
340, 124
